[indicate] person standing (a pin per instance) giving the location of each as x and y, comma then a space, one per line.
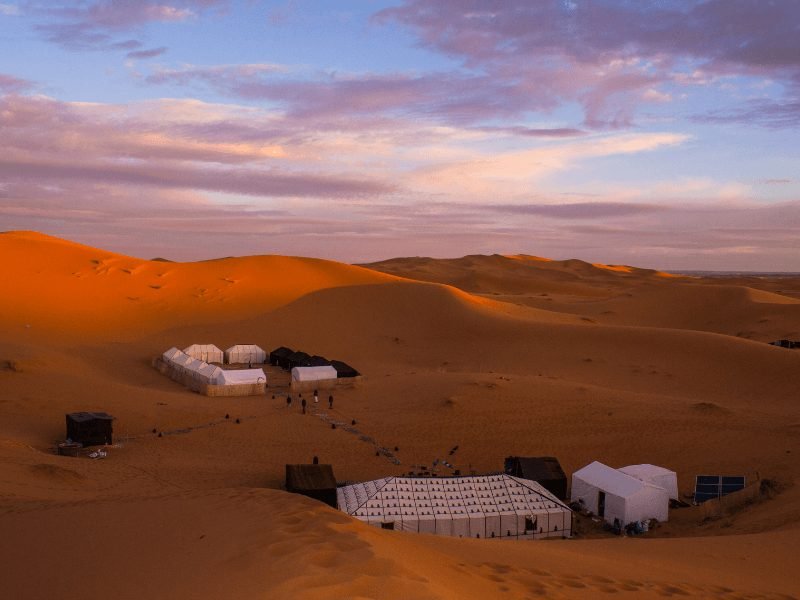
303, 404
316, 397
288, 401
330, 402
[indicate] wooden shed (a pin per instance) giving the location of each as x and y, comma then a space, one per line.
314, 481
89, 428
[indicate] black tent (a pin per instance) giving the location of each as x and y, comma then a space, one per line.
314, 481
278, 357
318, 361
297, 359
343, 369
545, 470
89, 428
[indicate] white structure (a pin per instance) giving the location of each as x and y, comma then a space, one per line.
239, 377
245, 354
206, 352
170, 354
193, 368
612, 494
663, 478
181, 360
313, 373
210, 373
491, 506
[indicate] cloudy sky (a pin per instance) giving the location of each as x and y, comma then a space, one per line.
662, 134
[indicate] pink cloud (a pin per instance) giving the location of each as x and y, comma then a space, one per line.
11, 84
80, 25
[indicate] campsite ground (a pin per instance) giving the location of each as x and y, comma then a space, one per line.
514, 355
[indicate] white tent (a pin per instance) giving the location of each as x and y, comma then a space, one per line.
194, 366
181, 360
210, 373
659, 476
313, 373
205, 352
170, 354
611, 494
240, 376
492, 506
245, 354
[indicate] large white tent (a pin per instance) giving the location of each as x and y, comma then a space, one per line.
491, 506
181, 360
239, 377
206, 352
313, 373
193, 368
612, 494
245, 354
656, 475
210, 373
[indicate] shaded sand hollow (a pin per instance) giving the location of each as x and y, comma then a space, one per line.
498, 355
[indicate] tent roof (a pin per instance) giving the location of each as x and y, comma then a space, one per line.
195, 365
282, 351
319, 361
611, 480
80, 417
202, 347
310, 477
313, 373
243, 376
343, 367
248, 347
538, 467
646, 471
171, 353
487, 494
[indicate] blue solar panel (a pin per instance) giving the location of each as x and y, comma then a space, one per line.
708, 487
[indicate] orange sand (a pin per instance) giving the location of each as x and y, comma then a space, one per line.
521, 356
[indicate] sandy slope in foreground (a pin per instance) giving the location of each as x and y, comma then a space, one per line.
187, 515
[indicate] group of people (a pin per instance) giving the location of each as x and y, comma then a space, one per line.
303, 402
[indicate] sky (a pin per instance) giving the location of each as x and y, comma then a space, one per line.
662, 134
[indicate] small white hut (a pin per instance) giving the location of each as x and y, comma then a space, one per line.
239, 377
313, 373
612, 494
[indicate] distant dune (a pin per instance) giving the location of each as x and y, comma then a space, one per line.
496, 354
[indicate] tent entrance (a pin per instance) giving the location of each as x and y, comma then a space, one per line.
389, 525
601, 504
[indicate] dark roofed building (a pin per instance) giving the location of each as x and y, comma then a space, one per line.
90, 428
545, 470
279, 356
791, 344
297, 359
343, 369
314, 481
318, 361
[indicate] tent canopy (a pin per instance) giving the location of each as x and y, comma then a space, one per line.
170, 354
655, 475
477, 506
313, 373
240, 376
343, 369
610, 480
279, 356
545, 470
205, 352
245, 354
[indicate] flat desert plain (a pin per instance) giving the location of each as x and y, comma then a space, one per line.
498, 355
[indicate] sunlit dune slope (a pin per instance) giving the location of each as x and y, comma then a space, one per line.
617, 295
518, 274
63, 287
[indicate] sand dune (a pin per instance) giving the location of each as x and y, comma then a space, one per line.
617, 364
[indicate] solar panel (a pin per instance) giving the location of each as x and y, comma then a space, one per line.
708, 487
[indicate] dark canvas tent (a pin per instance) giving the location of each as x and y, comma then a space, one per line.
343, 369
277, 358
89, 428
314, 481
318, 361
544, 469
297, 359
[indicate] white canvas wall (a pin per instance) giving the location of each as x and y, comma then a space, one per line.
206, 352
658, 476
313, 373
245, 354
241, 376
